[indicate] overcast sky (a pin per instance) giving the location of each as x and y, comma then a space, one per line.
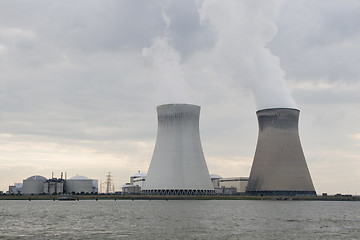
80, 82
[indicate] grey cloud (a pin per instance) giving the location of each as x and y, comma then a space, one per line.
73, 75
188, 33
334, 95
112, 25
319, 40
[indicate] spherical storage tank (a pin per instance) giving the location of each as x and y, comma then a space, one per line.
34, 185
79, 184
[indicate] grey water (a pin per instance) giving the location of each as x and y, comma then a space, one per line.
184, 219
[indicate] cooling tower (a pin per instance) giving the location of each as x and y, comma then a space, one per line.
279, 166
178, 165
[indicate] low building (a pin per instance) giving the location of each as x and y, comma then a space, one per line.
138, 179
16, 188
135, 185
215, 180
238, 183
131, 189
79, 184
54, 186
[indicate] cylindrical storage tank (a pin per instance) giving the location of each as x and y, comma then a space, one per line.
79, 184
279, 167
178, 164
34, 185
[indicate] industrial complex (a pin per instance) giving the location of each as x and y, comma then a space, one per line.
40, 185
178, 165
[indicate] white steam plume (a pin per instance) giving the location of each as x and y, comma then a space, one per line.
243, 29
166, 61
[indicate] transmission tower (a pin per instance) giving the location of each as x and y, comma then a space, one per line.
109, 183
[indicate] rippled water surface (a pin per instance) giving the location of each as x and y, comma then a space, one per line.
211, 219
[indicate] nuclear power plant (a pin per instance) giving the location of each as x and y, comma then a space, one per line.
178, 164
279, 166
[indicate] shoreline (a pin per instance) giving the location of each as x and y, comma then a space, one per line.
177, 197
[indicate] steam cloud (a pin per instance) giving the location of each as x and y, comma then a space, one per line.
242, 28
166, 61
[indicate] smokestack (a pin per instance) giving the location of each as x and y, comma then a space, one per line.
279, 166
178, 164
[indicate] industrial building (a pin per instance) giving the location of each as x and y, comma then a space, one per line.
15, 189
178, 164
279, 165
135, 185
215, 180
237, 183
35, 185
229, 186
80, 184
54, 186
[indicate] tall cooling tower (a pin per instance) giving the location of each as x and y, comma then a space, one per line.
279, 166
178, 165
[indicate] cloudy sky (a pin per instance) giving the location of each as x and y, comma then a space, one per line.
80, 82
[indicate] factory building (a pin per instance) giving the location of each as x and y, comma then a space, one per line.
135, 185
238, 184
215, 179
279, 165
40, 185
34, 185
229, 186
54, 186
79, 184
178, 164
15, 189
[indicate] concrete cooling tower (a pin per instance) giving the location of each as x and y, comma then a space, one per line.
279, 166
178, 164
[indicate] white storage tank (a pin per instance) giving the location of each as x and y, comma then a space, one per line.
34, 185
79, 184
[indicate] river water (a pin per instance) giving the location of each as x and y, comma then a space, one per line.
179, 219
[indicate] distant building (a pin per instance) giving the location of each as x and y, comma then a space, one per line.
16, 188
54, 186
229, 186
40, 185
135, 185
80, 184
138, 179
34, 185
215, 180
131, 189
238, 183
